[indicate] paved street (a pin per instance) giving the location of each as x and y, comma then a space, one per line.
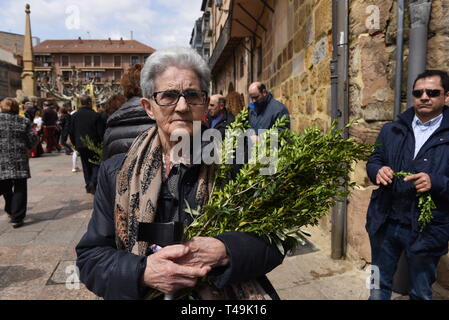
38, 258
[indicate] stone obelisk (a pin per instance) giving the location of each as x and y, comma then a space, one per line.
28, 81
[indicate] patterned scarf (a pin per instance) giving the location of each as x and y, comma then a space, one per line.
138, 186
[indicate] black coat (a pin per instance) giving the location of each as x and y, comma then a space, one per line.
223, 123
86, 122
115, 274
64, 121
123, 126
264, 116
395, 148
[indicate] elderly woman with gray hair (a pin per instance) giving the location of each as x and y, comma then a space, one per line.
130, 249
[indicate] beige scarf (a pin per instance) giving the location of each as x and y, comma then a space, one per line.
138, 186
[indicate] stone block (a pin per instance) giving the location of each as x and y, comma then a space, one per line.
369, 16
320, 51
437, 49
323, 18
443, 272
439, 19
299, 40
379, 112
374, 60
357, 236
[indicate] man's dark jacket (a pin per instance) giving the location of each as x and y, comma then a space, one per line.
86, 122
223, 123
123, 126
265, 114
396, 145
49, 117
116, 274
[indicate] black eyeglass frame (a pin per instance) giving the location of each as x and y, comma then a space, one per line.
180, 94
431, 93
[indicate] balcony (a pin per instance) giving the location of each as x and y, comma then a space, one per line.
224, 47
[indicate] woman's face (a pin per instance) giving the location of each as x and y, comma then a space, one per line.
178, 118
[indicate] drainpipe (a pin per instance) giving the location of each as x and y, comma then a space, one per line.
340, 111
419, 17
399, 58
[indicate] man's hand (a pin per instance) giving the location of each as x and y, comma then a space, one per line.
421, 181
384, 176
205, 251
167, 276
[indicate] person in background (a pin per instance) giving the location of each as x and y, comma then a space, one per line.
87, 124
64, 123
16, 138
418, 143
130, 120
234, 101
218, 117
49, 122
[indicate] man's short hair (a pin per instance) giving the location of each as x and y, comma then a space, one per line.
431, 73
222, 100
85, 100
261, 88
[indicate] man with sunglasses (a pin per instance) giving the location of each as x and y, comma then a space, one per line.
417, 142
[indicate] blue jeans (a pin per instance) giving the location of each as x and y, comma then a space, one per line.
387, 246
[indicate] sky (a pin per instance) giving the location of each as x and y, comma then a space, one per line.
157, 23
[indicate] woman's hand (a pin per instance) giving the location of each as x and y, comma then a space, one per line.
205, 251
166, 275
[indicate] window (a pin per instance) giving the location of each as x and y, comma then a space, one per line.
93, 75
259, 61
87, 61
134, 60
117, 75
66, 76
242, 67
65, 61
97, 61
117, 61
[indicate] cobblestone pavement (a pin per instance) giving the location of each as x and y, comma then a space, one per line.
37, 260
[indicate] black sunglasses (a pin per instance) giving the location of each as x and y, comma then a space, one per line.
171, 97
431, 93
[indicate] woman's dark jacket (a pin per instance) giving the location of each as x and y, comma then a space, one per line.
123, 126
396, 145
115, 274
64, 121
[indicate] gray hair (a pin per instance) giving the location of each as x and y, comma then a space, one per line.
180, 57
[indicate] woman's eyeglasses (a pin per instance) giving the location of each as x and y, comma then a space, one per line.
431, 93
171, 97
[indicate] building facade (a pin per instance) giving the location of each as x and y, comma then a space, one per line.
99, 61
202, 32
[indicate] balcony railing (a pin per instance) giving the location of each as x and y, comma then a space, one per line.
223, 40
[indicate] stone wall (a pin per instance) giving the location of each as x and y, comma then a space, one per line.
297, 50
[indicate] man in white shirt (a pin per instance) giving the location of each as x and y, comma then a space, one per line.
418, 142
